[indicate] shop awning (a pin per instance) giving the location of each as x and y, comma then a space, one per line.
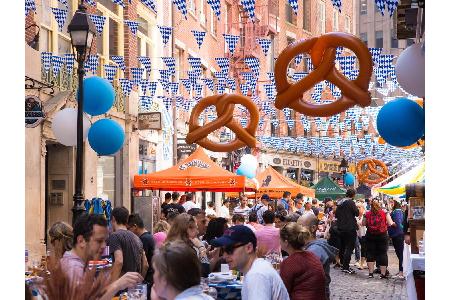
195, 173
326, 187
397, 186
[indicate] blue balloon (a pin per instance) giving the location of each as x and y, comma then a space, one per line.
401, 122
106, 137
98, 95
244, 170
349, 179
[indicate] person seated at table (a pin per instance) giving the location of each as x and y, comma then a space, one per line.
61, 238
301, 271
239, 246
216, 228
177, 273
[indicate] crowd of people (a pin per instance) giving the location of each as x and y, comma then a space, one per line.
285, 247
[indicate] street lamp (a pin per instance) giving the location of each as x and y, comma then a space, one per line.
344, 168
82, 33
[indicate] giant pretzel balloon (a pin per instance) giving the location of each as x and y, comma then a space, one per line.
224, 107
371, 168
323, 52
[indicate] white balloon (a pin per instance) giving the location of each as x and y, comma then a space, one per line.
64, 126
249, 161
410, 70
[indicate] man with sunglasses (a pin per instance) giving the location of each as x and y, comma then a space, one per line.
261, 281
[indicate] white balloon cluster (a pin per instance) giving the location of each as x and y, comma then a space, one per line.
248, 166
410, 70
64, 126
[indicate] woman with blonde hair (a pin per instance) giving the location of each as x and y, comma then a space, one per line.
61, 238
302, 271
160, 232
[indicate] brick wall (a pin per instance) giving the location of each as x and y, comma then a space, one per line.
130, 40
30, 32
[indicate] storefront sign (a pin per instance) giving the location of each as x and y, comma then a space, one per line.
185, 149
295, 163
33, 111
150, 120
331, 166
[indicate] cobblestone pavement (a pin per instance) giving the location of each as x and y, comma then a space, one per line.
359, 286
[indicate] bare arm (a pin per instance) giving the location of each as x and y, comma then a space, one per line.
117, 265
128, 280
144, 264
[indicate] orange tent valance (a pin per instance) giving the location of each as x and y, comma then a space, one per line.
195, 173
274, 184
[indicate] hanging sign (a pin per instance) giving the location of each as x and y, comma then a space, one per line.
151, 120
33, 111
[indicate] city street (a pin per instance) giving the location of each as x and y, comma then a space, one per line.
358, 286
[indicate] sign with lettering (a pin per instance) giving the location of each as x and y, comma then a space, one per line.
34, 114
194, 163
151, 120
184, 148
331, 166
293, 162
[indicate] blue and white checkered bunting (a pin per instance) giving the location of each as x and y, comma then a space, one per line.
252, 85
170, 63
380, 4
126, 86
147, 63
375, 52
231, 83
186, 83
195, 62
110, 71
174, 86
224, 64
166, 32
270, 90
265, 45
253, 63
298, 75
46, 58
29, 6
391, 6
243, 122
145, 103
181, 5
193, 76
91, 63
91, 2
133, 25
119, 61
337, 4
198, 89
244, 88
137, 74
166, 101
152, 87
69, 60
60, 17
220, 88
215, 6
249, 7
57, 62
179, 100
294, 5
298, 59
209, 83
271, 76
99, 22
63, 2
150, 4
231, 41
199, 37
120, 2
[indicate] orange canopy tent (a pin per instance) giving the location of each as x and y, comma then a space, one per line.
274, 184
195, 173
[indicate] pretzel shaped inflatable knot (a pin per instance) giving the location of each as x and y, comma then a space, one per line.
371, 168
323, 52
224, 108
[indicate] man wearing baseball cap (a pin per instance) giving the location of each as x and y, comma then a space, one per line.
261, 281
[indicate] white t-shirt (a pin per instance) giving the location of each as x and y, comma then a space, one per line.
224, 212
189, 204
262, 282
242, 211
210, 212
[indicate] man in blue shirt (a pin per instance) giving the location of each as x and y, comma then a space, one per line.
285, 200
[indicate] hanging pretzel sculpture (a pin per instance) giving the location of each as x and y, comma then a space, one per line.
323, 52
224, 106
371, 168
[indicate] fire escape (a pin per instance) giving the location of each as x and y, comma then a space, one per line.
264, 26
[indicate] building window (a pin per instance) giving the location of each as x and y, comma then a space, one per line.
178, 55
307, 15
109, 5
291, 17
46, 12
64, 45
143, 25
335, 19
106, 178
192, 6
363, 37
45, 40
213, 22
348, 24
394, 41
363, 7
379, 39
229, 19
113, 38
321, 13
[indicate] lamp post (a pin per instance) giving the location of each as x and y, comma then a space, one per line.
82, 33
344, 168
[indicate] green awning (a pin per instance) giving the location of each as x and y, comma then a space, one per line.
326, 187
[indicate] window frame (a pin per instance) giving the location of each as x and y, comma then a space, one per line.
307, 15
335, 19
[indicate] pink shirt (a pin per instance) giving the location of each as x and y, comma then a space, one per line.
73, 265
268, 238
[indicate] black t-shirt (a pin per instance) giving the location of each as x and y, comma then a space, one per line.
149, 248
131, 247
173, 207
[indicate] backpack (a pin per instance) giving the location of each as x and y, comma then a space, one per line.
376, 223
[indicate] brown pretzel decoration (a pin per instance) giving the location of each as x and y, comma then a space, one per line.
224, 107
323, 52
372, 167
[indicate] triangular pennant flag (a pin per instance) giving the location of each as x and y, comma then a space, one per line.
194, 75
29, 6
60, 17
137, 74
152, 87
133, 25
298, 59
187, 83
63, 2
146, 62
166, 32
271, 76
99, 22
198, 88
120, 2
249, 7
91, 63
294, 5
195, 62
174, 87
265, 45
46, 58
337, 4
145, 102
380, 5
119, 61
224, 64
181, 4
179, 100
391, 6
126, 86
110, 71
215, 6
220, 88
244, 88
150, 4
209, 83
253, 63
170, 63
231, 41
231, 83
57, 62
199, 37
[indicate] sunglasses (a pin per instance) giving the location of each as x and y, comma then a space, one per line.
230, 249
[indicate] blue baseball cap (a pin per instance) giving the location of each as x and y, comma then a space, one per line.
238, 234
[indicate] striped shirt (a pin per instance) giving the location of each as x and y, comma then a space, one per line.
131, 247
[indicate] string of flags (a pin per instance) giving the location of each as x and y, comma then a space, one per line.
249, 7
166, 32
60, 16
30, 5
265, 45
215, 6
199, 37
231, 40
